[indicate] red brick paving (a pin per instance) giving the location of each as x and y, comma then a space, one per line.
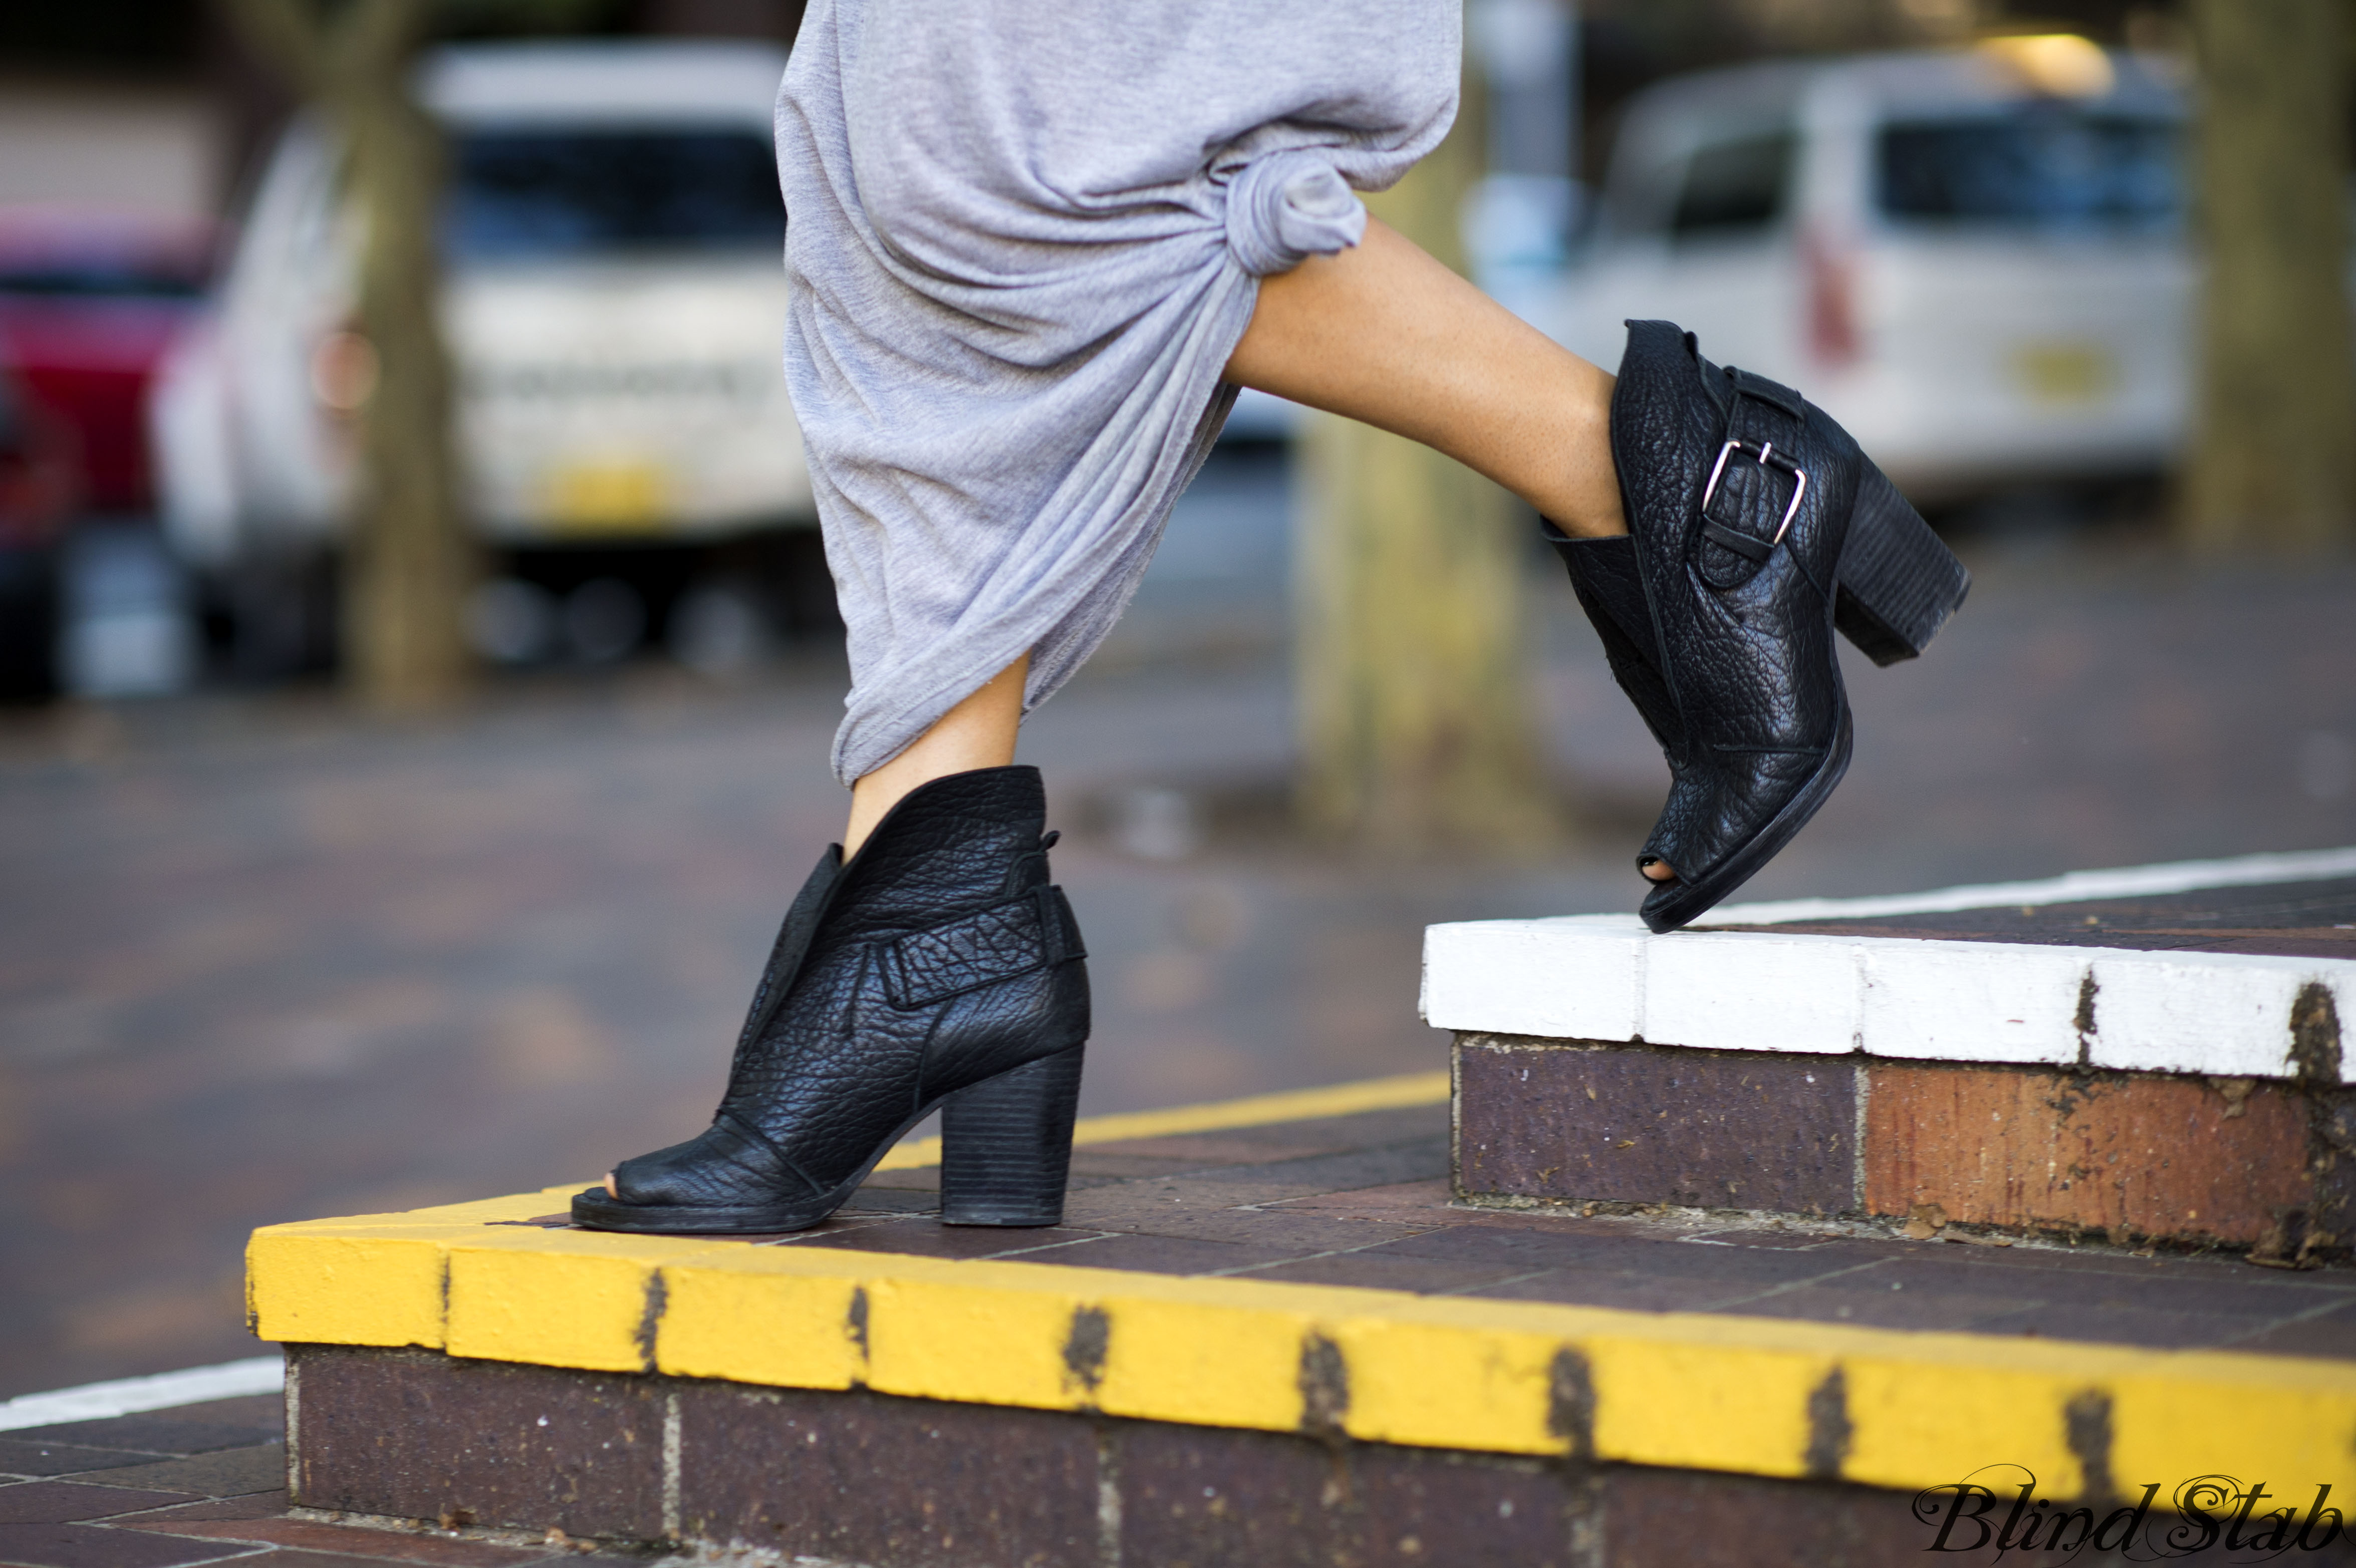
2150, 1155
1321, 1202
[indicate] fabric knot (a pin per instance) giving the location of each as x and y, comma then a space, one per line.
1287, 207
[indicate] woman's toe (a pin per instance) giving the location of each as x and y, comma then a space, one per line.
1658, 870
611, 1190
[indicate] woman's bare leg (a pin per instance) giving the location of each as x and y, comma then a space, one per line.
977, 733
1385, 335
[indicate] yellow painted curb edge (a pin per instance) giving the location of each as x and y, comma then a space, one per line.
1758, 1396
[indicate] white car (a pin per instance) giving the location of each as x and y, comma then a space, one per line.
613, 302
1974, 259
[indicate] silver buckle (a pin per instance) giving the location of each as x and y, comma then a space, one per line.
1765, 452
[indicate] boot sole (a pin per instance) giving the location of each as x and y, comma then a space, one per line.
1680, 902
1006, 1146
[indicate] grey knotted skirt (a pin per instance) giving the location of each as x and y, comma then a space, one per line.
1023, 240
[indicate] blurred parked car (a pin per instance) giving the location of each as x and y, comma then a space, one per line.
90, 303
615, 305
40, 485
1974, 259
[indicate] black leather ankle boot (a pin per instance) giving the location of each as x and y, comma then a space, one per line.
1757, 530
1609, 587
937, 967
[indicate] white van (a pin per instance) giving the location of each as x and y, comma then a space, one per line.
1973, 259
615, 306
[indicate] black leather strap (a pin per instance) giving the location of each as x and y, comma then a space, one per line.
1752, 415
1064, 942
1774, 393
1748, 413
1000, 942
1753, 549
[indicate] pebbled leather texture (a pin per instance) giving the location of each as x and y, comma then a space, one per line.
1609, 587
1741, 606
936, 958
991, 945
1757, 530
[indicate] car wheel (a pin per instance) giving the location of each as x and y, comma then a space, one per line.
29, 625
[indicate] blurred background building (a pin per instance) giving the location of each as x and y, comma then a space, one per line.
266, 951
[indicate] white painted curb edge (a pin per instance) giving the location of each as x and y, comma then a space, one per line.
1603, 979
128, 1396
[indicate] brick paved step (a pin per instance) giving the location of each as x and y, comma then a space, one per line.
937, 1484
1279, 1342
2146, 1056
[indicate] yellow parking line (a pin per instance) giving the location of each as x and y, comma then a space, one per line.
1254, 1110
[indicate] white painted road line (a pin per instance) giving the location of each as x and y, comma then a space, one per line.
2125, 882
128, 1396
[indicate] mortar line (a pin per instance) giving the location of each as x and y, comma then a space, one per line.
1305, 1258
1492, 1284
1772, 1291
1862, 1094
671, 1512
2318, 1310
1109, 1500
294, 1428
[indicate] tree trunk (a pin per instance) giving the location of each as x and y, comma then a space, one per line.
1415, 721
2274, 458
410, 563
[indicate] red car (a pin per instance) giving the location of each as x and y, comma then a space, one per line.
89, 302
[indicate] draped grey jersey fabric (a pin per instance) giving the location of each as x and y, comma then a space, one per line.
1025, 237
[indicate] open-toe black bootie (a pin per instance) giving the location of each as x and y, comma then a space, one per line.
1756, 530
937, 967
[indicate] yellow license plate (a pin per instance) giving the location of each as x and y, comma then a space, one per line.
2065, 374
608, 496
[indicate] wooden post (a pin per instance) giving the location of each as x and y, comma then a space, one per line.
409, 561
2272, 462
1415, 721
